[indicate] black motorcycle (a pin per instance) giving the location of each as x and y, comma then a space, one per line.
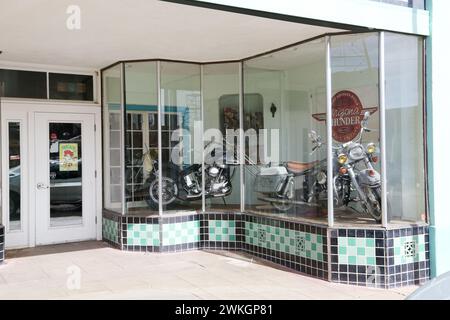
185, 182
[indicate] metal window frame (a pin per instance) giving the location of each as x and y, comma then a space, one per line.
329, 90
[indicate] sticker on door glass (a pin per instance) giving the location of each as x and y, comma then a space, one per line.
68, 157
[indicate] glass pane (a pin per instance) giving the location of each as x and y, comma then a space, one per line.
15, 176
112, 142
141, 136
404, 128
357, 181
65, 174
71, 86
182, 156
23, 84
221, 126
282, 175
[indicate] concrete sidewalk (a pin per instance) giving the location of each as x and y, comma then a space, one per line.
92, 270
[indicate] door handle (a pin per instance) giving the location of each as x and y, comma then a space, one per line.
41, 186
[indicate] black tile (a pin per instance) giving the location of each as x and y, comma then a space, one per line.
351, 233
370, 234
380, 261
342, 233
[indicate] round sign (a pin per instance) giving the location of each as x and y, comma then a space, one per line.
347, 116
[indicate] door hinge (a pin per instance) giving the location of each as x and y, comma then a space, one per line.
95, 127
95, 220
95, 173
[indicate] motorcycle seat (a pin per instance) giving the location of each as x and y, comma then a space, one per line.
300, 167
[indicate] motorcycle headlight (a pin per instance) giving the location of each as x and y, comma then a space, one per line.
356, 153
371, 148
342, 158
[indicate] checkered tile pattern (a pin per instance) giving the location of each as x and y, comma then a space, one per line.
409, 249
356, 251
222, 230
303, 244
142, 234
365, 257
180, 233
110, 230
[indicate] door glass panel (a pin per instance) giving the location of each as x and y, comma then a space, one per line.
65, 174
14, 175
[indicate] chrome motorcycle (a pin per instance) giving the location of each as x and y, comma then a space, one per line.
355, 180
185, 183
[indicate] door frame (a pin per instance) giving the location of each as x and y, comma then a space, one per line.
28, 109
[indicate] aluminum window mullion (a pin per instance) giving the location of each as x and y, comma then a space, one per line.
158, 80
202, 138
241, 134
329, 123
122, 136
382, 97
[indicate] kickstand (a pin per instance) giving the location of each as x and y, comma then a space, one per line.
224, 202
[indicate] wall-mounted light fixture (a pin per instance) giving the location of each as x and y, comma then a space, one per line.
273, 110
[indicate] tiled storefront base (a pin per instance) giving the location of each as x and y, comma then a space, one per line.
2, 243
379, 258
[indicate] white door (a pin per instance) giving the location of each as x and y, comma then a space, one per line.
64, 166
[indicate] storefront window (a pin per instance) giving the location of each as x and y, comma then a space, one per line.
355, 128
181, 137
181, 146
112, 139
281, 169
221, 125
404, 128
141, 135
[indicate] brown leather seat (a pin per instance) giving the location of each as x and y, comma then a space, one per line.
299, 167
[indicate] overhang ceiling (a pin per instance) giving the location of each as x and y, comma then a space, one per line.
35, 32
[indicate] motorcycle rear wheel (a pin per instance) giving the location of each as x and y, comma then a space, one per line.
169, 193
281, 206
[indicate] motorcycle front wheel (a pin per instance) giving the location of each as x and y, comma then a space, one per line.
373, 204
169, 192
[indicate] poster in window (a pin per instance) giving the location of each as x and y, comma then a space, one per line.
68, 157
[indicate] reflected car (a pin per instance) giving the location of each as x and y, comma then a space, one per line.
65, 185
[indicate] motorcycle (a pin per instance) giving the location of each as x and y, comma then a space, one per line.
354, 178
185, 184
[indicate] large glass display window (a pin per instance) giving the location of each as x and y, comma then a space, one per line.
283, 173
328, 131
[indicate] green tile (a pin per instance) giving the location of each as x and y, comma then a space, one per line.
351, 242
370, 243
370, 261
361, 251
352, 260
343, 250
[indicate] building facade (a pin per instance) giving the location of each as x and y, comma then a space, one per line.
307, 134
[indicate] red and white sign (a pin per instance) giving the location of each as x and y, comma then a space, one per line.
348, 113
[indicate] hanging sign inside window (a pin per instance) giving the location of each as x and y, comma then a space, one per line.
68, 157
348, 113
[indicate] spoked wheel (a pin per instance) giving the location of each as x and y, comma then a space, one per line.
283, 206
169, 192
373, 204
